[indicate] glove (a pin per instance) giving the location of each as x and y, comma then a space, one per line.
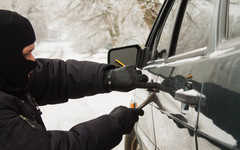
126, 117
124, 79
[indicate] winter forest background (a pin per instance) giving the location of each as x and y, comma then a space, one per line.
89, 24
85, 30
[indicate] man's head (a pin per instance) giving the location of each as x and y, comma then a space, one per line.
16, 33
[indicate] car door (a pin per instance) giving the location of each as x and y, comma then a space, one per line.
145, 126
178, 52
219, 119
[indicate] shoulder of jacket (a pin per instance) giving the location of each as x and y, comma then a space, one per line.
7, 99
5, 94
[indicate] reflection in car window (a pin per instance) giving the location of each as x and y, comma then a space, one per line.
195, 26
166, 32
234, 18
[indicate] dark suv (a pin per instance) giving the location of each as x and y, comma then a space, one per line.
194, 51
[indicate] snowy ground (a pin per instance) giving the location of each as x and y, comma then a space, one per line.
64, 116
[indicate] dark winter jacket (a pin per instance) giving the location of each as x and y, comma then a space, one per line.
54, 81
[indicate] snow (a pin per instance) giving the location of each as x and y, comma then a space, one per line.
188, 93
66, 115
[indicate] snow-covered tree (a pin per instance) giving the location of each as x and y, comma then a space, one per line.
31, 9
89, 24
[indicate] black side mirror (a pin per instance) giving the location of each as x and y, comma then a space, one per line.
129, 55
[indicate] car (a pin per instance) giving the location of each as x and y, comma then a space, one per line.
193, 51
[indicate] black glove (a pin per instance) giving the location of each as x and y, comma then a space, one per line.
126, 117
124, 79
172, 84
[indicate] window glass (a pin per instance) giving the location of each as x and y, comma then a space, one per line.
166, 32
195, 26
234, 19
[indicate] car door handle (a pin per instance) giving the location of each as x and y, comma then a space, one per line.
190, 97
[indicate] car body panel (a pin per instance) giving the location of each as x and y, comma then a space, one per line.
179, 125
219, 120
145, 126
169, 134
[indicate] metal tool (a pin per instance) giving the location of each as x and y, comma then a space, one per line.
150, 98
118, 63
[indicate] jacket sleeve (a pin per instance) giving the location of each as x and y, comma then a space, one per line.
102, 133
20, 133
54, 81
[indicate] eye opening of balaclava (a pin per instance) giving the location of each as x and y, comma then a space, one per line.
16, 33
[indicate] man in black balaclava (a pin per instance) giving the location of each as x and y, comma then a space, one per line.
16, 33
26, 83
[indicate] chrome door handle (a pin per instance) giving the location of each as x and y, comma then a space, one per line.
190, 97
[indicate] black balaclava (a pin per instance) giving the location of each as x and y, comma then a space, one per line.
16, 33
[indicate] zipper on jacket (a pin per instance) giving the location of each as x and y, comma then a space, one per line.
32, 101
28, 121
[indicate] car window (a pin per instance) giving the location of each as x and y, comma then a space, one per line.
234, 19
195, 27
167, 29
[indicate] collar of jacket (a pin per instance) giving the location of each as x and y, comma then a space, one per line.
16, 92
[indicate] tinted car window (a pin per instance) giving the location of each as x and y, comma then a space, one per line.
195, 26
234, 18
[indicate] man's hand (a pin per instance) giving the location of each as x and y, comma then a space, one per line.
126, 117
124, 79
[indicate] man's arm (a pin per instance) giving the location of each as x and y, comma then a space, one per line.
21, 133
54, 81
102, 133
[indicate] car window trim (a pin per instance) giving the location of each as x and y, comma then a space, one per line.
190, 54
159, 24
177, 27
223, 22
154, 29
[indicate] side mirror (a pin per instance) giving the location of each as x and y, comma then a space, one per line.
129, 55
